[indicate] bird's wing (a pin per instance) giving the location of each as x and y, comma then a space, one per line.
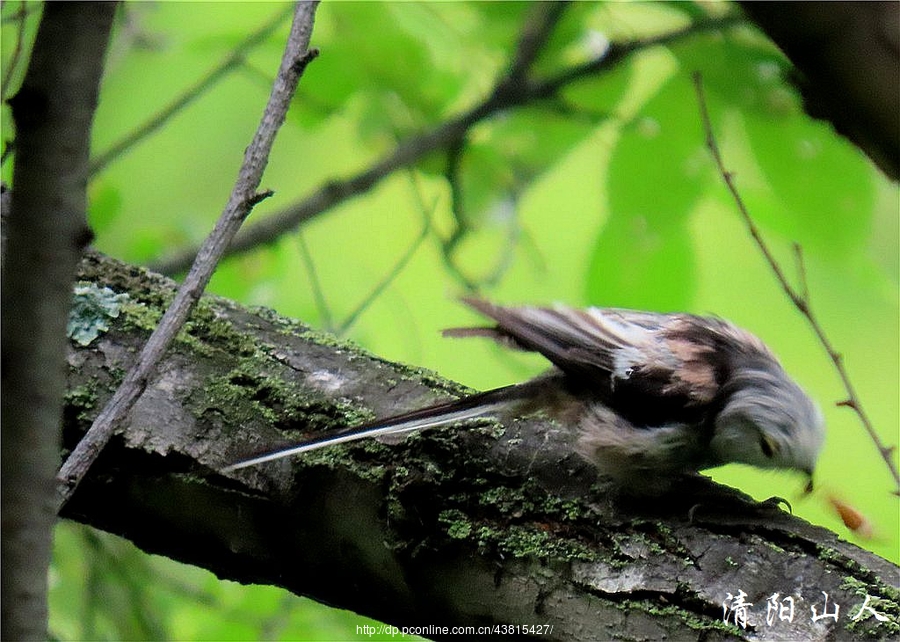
647, 365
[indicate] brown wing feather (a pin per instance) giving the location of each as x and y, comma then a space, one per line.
567, 341
648, 366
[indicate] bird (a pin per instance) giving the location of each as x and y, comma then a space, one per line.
650, 395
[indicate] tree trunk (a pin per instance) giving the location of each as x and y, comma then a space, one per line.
44, 220
847, 56
492, 525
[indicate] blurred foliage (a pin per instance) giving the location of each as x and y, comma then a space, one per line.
602, 195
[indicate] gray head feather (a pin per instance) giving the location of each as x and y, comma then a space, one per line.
768, 421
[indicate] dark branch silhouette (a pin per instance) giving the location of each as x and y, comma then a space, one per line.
847, 57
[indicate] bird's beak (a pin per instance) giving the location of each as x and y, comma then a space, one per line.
809, 483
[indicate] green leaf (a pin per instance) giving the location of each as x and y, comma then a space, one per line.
535, 138
510, 152
598, 95
484, 178
370, 49
501, 21
822, 181
740, 68
571, 41
643, 257
105, 204
640, 267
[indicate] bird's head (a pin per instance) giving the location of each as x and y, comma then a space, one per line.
768, 421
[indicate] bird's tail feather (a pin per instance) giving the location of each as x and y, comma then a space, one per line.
443, 413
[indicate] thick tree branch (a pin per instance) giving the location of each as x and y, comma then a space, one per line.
492, 524
53, 112
506, 95
242, 200
848, 56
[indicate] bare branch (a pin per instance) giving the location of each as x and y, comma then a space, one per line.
243, 197
413, 149
800, 299
315, 283
381, 286
452, 175
801, 272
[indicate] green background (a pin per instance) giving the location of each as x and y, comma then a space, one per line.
605, 196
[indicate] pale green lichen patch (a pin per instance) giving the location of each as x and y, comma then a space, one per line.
92, 309
518, 501
531, 540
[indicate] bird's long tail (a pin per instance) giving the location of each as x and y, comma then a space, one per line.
476, 405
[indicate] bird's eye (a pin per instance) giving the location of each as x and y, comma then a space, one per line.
768, 446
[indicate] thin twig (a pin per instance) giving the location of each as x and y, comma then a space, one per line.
20, 16
800, 299
27, 10
315, 283
413, 149
461, 228
243, 196
427, 213
535, 34
801, 272
234, 61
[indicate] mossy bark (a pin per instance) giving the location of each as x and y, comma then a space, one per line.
497, 524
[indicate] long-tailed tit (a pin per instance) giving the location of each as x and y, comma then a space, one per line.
651, 395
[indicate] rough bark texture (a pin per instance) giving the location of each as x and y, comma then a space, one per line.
848, 56
497, 524
53, 112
